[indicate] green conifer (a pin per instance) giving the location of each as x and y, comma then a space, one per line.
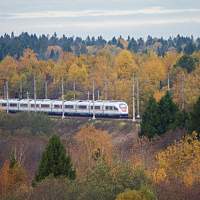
195, 117
54, 161
167, 113
150, 119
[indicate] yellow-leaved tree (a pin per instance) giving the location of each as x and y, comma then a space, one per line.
92, 145
125, 65
151, 72
180, 161
78, 73
143, 193
8, 72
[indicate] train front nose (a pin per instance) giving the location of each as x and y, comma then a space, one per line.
123, 110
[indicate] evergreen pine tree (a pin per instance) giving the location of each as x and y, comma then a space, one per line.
187, 62
167, 113
150, 119
114, 41
54, 161
195, 118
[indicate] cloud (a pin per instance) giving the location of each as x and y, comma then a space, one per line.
109, 24
96, 13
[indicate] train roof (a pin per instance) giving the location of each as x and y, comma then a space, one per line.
65, 101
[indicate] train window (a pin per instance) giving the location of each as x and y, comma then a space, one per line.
82, 107
13, 105
4, 104
122, 105
44, 105
69, 106
96, 107
33, 105
57, 106
109, 108
24, 105
115, 108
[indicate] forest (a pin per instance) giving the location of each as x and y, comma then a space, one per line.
15, 45
47, 158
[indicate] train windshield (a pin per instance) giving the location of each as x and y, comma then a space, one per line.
123, 107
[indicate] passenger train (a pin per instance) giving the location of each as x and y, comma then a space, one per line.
102, 108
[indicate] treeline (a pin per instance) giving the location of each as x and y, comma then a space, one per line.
15, 45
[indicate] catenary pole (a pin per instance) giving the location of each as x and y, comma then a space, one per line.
21, 90
7, 97
98, 94
27, 96
133, 90
138, 97
35, 95
62, 88
168, 82
46, 89
93, 99
74, 86
182, 91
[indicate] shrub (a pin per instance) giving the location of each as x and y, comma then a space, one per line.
55, 189
35, 123
187, 62
105, 182
144, 193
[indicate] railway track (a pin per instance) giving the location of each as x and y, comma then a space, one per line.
86, 118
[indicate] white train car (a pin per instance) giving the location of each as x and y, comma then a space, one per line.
83, 108
11, 105
45, 105
24, 105
69, 108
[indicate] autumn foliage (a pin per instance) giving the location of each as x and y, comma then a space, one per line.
92, 145
177, 169
13, 180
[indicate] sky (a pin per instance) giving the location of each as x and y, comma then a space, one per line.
137, 18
